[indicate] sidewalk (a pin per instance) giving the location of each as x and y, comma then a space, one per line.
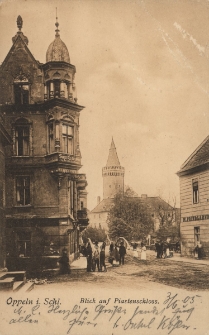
177, 257
79, 264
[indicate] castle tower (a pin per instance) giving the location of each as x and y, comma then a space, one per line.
113, 174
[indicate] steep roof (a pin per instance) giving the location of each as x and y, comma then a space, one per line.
198, 158
104, 206
153, 203
113, 157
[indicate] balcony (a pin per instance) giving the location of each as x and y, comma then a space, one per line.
61, 160
82, 218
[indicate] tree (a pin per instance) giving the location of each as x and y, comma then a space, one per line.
129, 218
169, 218
95, 234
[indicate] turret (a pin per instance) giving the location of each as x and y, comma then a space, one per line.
58, 72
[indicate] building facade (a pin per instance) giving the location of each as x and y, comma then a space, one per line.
194, 198
5, 140
46, 198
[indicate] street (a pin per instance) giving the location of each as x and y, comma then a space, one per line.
137, 274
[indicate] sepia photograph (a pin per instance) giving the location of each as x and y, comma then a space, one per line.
104, 167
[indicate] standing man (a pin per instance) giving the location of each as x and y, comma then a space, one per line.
96, 256
102, 257
89, 257
122, 252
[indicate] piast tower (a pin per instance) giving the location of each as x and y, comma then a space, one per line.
113, 174
113, 182
45, 193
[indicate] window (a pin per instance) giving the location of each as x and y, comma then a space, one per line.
51, 137
195, 191
82, 205
196, 235
21, 93
24, 244
67, 136
22, 140
23, 190
56, 88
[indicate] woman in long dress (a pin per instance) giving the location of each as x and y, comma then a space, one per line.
143, 252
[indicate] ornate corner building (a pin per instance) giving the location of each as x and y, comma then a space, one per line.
46, 199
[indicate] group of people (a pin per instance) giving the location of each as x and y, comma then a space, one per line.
95, 256
117, 253
164, 249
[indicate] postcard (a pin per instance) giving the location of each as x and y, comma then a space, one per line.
104, 179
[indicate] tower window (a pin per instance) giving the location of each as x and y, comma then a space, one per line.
23, 190
21, 93
67, 136
195, 191
56, 88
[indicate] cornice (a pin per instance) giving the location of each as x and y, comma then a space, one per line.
41, 107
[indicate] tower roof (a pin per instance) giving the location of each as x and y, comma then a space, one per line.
57, 50
113, 157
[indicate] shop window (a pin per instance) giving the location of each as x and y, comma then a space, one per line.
196, 235
23, 190
195, 191
22, 140
21, 93
24, 244
67, 137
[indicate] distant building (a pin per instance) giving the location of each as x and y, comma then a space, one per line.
113, 182
194, 198
46, 198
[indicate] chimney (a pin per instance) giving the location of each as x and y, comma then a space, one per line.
98, 200
144, 196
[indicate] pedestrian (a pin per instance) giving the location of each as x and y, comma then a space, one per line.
89, 257
199, 251
102, 257
111, 247
115, 256
64, 263
157, 249
161, 247
143, 252
122, 252
167, 252
96, 256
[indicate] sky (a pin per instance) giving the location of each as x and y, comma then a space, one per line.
142, 75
